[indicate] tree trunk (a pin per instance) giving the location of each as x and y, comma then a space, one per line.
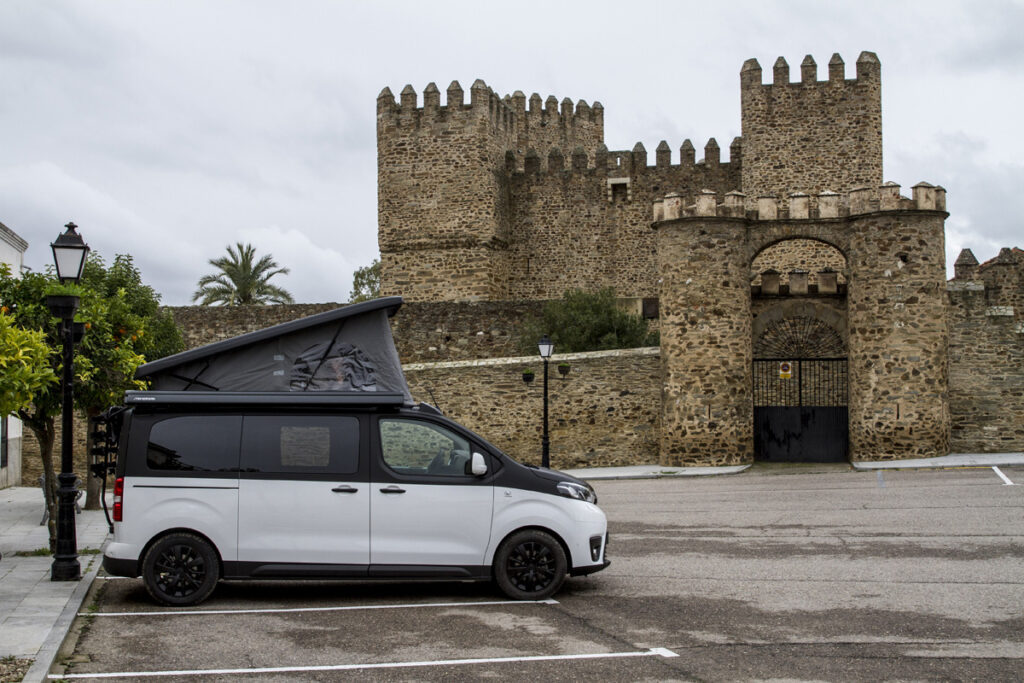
93, 484
45, 433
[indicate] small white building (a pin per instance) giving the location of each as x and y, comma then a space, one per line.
12, 252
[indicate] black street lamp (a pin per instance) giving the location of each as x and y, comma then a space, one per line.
69, 252
546, 348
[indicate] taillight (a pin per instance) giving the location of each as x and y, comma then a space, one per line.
118, 498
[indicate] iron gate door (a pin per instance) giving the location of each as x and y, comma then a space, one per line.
800, 410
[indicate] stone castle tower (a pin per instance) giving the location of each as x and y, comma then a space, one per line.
802, 303
508, 199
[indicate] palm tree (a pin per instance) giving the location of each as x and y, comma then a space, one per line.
240, 281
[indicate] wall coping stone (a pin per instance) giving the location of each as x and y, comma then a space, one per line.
520, 360
965, 286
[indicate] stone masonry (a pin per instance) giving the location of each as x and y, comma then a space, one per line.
897, 332
492, 200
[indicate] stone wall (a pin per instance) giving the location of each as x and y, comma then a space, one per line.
986, 353
201, 325
589, 227
423, 331
604, 413
811, 135
32, 463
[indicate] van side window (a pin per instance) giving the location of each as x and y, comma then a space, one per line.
300, 444
195, 443
415, 447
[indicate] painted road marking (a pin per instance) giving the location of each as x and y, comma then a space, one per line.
881, 481
280, 610
653, 652
1006, 480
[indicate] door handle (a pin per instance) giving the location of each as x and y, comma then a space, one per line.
344, 488
392, 489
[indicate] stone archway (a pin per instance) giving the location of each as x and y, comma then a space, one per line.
891, 306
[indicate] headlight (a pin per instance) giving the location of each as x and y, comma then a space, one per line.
571, 489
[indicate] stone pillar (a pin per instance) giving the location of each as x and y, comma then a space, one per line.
898, 346
707, 414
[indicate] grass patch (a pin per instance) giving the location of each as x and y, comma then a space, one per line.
45, 552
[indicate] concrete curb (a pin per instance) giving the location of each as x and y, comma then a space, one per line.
946, 461
652, 472
47, 654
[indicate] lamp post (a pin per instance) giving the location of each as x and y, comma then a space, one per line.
546, 348
69, 252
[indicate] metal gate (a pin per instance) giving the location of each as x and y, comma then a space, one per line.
800, 410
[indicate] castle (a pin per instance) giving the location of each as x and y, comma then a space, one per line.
792, 254
475, 201
802, 302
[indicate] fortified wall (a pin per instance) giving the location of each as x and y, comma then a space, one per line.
986, 353
495, 200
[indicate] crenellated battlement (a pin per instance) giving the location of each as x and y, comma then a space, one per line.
483, 103
625, 162
511, 113
868, 71
825, 205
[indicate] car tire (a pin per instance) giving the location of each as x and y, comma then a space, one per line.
180, 569
530, 565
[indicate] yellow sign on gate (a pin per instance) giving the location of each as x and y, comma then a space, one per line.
785, 370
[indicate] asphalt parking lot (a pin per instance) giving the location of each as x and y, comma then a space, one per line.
818, 573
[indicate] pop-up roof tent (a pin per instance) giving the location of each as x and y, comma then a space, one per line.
349, 349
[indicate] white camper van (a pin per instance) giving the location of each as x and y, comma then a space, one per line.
267, 457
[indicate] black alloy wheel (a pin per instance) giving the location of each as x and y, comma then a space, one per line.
180, 569
530, 565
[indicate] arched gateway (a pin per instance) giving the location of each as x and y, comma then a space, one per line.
800, 376
883, 312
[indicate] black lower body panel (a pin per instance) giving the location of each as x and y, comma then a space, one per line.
261, 570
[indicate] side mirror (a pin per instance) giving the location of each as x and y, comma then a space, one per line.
478, 466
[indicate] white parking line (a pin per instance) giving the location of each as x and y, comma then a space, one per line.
653, 652
1006, 480
279, 610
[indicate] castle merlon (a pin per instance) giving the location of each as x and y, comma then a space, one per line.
627, 160
801, 206
869, 69
507, 111
966, 266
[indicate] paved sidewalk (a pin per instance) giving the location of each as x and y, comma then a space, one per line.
35, 613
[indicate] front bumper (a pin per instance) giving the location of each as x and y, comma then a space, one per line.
583, 571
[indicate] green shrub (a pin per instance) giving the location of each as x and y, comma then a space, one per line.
586, 321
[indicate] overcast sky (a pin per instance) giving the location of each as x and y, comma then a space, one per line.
169, 130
